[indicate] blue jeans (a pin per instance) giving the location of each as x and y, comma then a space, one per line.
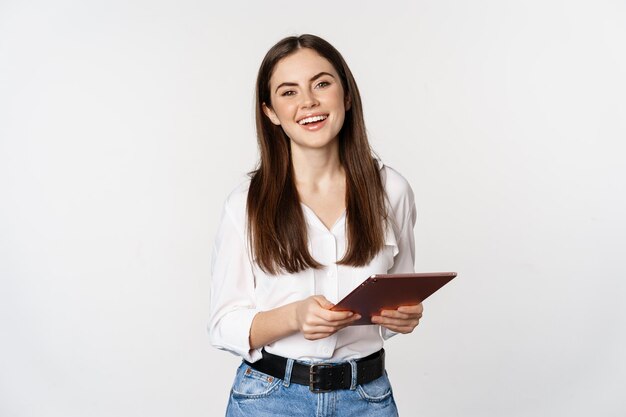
255, 394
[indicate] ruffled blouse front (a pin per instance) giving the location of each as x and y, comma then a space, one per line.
240, 289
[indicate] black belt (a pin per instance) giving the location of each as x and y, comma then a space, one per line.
323, 377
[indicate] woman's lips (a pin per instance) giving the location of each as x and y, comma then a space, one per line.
315, 125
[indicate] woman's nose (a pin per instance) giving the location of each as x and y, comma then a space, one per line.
308, 99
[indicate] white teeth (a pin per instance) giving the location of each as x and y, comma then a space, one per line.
312, 119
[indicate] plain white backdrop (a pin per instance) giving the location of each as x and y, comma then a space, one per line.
124, 125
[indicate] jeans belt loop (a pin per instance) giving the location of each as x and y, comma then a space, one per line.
353, 378
288, 369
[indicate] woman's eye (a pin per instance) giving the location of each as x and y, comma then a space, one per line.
288, 93
323, 84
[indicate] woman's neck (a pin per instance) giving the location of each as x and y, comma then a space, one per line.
317, 168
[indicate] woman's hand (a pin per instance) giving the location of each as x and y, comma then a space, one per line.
402, 320
315, 320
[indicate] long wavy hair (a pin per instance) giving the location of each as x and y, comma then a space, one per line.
277, 231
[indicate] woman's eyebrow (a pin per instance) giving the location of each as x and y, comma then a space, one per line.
315, 77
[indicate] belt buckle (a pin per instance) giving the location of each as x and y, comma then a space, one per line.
314, 370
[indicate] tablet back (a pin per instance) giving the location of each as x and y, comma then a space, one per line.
390, 291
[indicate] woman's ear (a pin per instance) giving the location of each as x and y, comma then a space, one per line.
348, 103
270, 114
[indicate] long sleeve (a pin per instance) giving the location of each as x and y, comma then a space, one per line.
404, 261
233, 304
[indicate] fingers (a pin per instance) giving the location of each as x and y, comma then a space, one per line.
402, 320
316, 320
396, 325
323, 301
335, 316
418, 308
324, 329
396, 314
324, 310
328, 315
315, 309
405, 312
321, 316
336, 321
388, 321
349, 320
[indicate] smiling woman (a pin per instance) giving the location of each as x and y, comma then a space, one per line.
308, 104
318, 215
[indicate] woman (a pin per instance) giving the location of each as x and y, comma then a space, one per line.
317, 217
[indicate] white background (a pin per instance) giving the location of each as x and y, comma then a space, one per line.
124, 125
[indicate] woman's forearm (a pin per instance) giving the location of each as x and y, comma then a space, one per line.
272, 325
311, 316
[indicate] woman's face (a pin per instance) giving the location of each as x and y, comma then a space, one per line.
307, 99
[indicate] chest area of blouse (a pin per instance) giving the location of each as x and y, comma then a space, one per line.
334, 281
328, 211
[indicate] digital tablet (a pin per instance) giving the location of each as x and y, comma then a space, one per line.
390, 291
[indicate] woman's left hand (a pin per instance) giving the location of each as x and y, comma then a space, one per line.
402, 320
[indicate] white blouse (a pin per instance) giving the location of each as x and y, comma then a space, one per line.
240, 289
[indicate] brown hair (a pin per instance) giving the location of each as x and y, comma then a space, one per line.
277, 230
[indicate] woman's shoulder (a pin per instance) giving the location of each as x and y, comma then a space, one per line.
236, 201
239, 195
396, 185
400, 198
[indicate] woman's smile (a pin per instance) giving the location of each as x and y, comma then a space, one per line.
313, 123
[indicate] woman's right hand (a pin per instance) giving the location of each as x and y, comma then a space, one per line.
315, 320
